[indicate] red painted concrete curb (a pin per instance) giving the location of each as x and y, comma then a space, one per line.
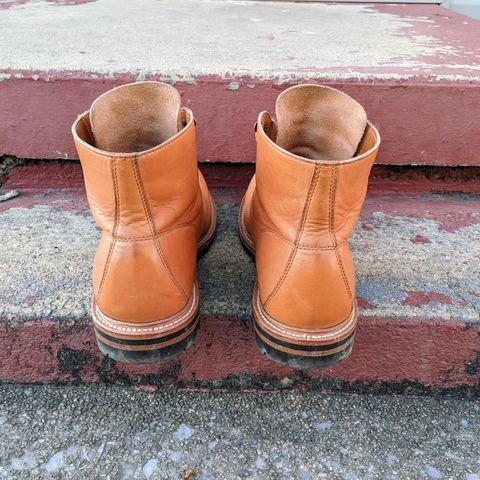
386, 352
422, 122
404, 180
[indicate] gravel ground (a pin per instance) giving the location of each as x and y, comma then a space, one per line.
96, 432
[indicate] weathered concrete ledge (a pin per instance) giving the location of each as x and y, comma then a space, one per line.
418, 288
415, 68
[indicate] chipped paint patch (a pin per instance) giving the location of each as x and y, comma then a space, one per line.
424, 298
390, 264
364, 304
233, 86
420, 239
453, 222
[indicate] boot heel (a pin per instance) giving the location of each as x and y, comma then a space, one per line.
147, 342
302, 348
151, 203
144, 351
301, 361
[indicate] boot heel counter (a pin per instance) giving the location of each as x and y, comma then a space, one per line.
126, 278
317, 291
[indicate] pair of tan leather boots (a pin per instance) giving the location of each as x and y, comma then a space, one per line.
138, 153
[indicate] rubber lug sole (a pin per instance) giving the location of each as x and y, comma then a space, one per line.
155, 355
300, 361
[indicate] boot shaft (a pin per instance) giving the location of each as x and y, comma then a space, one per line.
137, 148
308, 199
132, 191
317, 197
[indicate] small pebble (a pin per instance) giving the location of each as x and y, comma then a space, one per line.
303, 473
183, 432
150, 467
260, 463
54, 463
433, 472
321, 427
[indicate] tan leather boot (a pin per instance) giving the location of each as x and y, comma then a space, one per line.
138, 154
299, 210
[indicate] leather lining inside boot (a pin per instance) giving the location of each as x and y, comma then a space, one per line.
319, 123
135, 117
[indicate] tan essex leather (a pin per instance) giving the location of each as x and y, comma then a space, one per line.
301, 206
137, 148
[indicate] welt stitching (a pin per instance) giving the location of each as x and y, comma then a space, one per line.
151, 224
332, 199
308, 201
113, 168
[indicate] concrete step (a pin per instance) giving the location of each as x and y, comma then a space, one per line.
418, 271
415, 68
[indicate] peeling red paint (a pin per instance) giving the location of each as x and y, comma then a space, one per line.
366, 227
453, 30
386, 350
420, 239
365, 304
453, 222
416, 299
474, 294
60, 184
450, 212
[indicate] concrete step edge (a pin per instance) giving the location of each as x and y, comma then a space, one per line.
418, 289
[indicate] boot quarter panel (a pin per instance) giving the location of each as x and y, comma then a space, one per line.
98, 172
350, 194
174, 198
280, 193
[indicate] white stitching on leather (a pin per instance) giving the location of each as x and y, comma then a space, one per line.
306, 336
108, 321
